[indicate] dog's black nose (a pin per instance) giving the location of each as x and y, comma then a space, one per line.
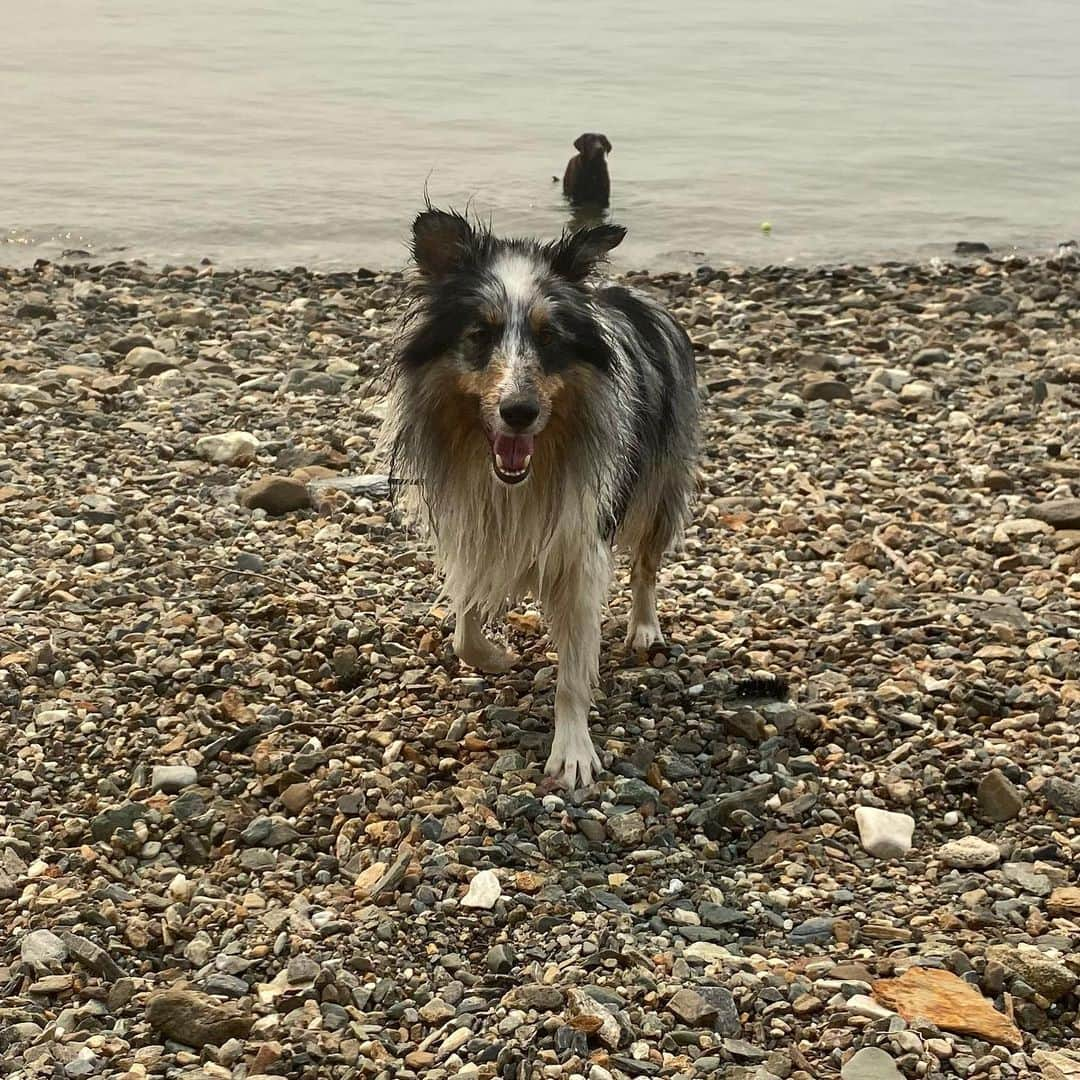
519, 411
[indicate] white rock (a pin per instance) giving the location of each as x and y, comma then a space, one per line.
708, 951
863, 1005
1020, 529
339, 366
454, 1041
969, 853
181, 889
916, 391
42, 948
228, 448
484, 890
884, 833
893, 379
172, 778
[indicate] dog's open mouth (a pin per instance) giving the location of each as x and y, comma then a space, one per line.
511, 457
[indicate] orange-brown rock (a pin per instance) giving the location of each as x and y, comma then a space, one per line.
1063, 1066
1064, 900
948, 1002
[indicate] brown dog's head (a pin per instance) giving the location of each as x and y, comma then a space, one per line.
592, 145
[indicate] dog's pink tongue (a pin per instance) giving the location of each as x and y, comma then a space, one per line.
513, 449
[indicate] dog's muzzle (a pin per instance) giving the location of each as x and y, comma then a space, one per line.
512, 451
511, 457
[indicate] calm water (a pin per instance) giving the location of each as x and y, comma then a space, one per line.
285, 132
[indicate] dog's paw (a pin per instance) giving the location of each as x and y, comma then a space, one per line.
573, 759
641, 637
487, 656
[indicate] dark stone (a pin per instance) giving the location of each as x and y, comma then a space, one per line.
633, 1067
120, 994
538, 996
312, 382
124, 345
713, 817
1063, 796
107, 822
690, 1007
501, 959
815, 931
92, 957
1061, 513
988, 305
740, 1048
826, 390
269, 833
223, 985
727, 1012
717, 916
926, 357
335, 1018
705, 933
610, 901
34, 310
276, 495
999, 798
633, 792
971, 247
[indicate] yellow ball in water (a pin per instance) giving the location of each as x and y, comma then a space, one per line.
766, 227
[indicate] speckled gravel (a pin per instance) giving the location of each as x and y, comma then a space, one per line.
247, 786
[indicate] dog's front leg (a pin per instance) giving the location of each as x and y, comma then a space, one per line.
574, 604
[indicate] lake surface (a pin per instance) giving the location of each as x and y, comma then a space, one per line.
304, 133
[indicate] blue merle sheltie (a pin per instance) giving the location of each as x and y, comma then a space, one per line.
541, 418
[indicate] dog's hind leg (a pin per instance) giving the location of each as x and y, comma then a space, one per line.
573, 603
475, 649
644, 628
647, 549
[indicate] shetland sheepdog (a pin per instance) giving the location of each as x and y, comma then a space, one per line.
539, 419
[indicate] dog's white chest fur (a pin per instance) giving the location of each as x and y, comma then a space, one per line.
496, 544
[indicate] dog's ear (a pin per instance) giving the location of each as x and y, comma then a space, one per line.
579, 143
607, 144
441, 242
578, 253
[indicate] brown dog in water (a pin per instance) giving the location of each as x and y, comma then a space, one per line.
586, 180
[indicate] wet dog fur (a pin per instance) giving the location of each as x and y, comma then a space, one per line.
538, 419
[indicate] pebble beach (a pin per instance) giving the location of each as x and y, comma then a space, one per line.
257, 821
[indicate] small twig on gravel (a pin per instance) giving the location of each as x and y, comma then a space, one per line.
283, 585
974, 598
897, 560
14, 641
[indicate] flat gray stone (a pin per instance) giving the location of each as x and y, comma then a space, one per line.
870, 1063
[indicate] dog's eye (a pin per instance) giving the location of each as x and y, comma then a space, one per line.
483, 335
